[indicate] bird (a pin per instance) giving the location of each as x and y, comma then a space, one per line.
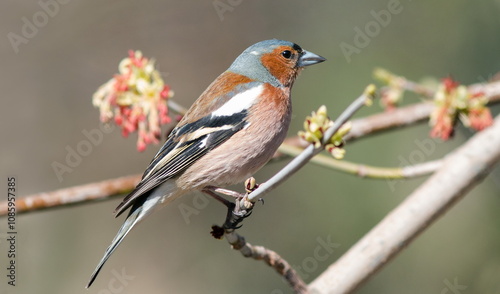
229, 133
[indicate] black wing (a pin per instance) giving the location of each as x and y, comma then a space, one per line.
184, 146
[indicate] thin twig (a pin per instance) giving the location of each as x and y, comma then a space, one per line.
460, 172
422, 169
366, 171
418, 88
236, 213
272, 258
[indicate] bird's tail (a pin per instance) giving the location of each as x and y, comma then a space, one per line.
138, 212
142, 207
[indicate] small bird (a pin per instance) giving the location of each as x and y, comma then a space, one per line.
228, 134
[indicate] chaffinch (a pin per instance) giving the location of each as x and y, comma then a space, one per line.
228, 134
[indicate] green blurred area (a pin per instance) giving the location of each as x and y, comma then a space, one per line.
46, 93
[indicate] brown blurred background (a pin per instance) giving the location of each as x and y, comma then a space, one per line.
46, 94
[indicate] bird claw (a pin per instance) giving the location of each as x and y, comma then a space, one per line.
236, 212
247, 213
235, 215
234, 219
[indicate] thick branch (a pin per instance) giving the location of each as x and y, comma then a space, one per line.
460, 172
74, 195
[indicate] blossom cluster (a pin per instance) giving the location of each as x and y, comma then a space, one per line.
135, 99
454, 102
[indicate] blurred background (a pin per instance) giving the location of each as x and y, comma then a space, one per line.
48, 76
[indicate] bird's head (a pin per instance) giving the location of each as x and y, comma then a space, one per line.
274, 61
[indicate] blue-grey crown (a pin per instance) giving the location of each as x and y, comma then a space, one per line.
249, 63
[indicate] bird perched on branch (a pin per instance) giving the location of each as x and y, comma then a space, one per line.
228, 134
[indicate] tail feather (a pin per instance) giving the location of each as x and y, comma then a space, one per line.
142, 207
138, 212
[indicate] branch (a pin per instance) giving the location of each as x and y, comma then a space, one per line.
460, 172
403, 116
366, 171
384, 121
235, 215
272, 258
74, 195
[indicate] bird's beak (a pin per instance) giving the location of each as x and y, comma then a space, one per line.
309, 58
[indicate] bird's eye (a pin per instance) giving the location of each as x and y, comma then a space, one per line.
287, 54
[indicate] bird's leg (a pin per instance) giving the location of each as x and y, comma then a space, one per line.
223, 191
241, 209
234, 210
211, 191
235, 215
234, 207
237, 211
233, 219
